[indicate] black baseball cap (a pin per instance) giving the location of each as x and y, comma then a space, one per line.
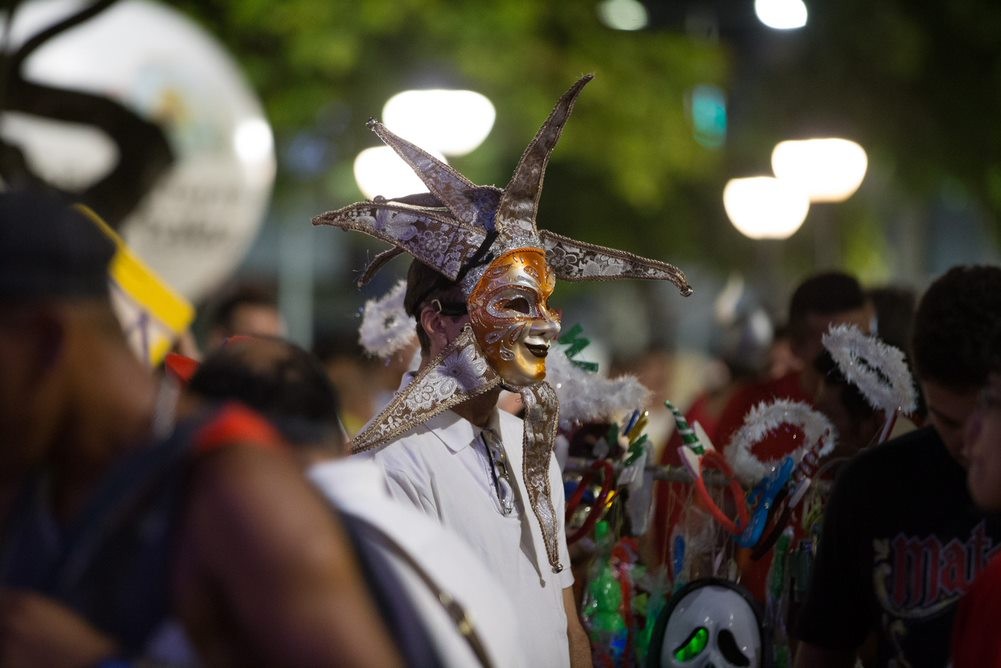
50, 249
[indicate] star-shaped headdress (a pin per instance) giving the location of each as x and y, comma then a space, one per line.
479, 223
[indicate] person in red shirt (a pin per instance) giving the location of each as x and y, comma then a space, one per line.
975, 639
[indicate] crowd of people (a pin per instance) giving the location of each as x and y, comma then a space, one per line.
216, 511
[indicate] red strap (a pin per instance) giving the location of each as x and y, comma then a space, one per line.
713, 459
237, 424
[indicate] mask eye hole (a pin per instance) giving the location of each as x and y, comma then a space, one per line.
693, 645
519, 304
731, 650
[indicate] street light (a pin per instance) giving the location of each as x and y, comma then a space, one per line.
379, 171
827, 170
453, 122
763, 207
623, 14
781, 14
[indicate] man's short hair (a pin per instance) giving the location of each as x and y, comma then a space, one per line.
826, 293
894, 313
424, 285
48, 249
954, 324
278, 379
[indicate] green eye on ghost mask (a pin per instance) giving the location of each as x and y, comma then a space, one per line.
694, 646
709, 623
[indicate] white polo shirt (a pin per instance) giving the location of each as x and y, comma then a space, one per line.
358, 487
442, 469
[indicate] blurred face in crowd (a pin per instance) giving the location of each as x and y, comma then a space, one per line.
948, 410
258, 320
983, 447
250, 319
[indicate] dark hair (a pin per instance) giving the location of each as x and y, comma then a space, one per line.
953, 326
993, 351
423, 285
244, 294
894, 313
851, 397
826, 293
278, 379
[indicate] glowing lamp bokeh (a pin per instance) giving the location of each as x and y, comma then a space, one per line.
452, 122
379, 171
623, 14
781, 14
827, 170
763, 207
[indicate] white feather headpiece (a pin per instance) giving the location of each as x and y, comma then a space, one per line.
385, 328
877, 369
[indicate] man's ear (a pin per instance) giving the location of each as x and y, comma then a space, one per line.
434, 326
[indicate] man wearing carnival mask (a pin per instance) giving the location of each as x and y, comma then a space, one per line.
479, 290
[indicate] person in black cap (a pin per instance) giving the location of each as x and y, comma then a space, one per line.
107, 529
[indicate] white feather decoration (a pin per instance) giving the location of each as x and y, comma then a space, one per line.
877, 369
587, 397
385, 328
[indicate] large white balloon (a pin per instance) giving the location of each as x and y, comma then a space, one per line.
197, 223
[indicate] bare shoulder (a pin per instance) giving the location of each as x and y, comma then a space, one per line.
263, 551
245, 497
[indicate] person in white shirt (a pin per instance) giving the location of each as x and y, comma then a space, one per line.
479, 290
464, 468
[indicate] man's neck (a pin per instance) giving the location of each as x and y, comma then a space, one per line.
479, 410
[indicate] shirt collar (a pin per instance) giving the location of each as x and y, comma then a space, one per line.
458, 433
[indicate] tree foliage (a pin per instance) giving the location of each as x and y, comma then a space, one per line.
917, 82
627, 161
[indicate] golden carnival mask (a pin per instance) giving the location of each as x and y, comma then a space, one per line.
510, 314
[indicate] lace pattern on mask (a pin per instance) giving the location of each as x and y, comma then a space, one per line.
574, 260
458, 374
541, 413
431, 235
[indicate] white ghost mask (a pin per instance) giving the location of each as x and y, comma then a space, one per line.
710, 623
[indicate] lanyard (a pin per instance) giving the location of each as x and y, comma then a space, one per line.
504, 492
